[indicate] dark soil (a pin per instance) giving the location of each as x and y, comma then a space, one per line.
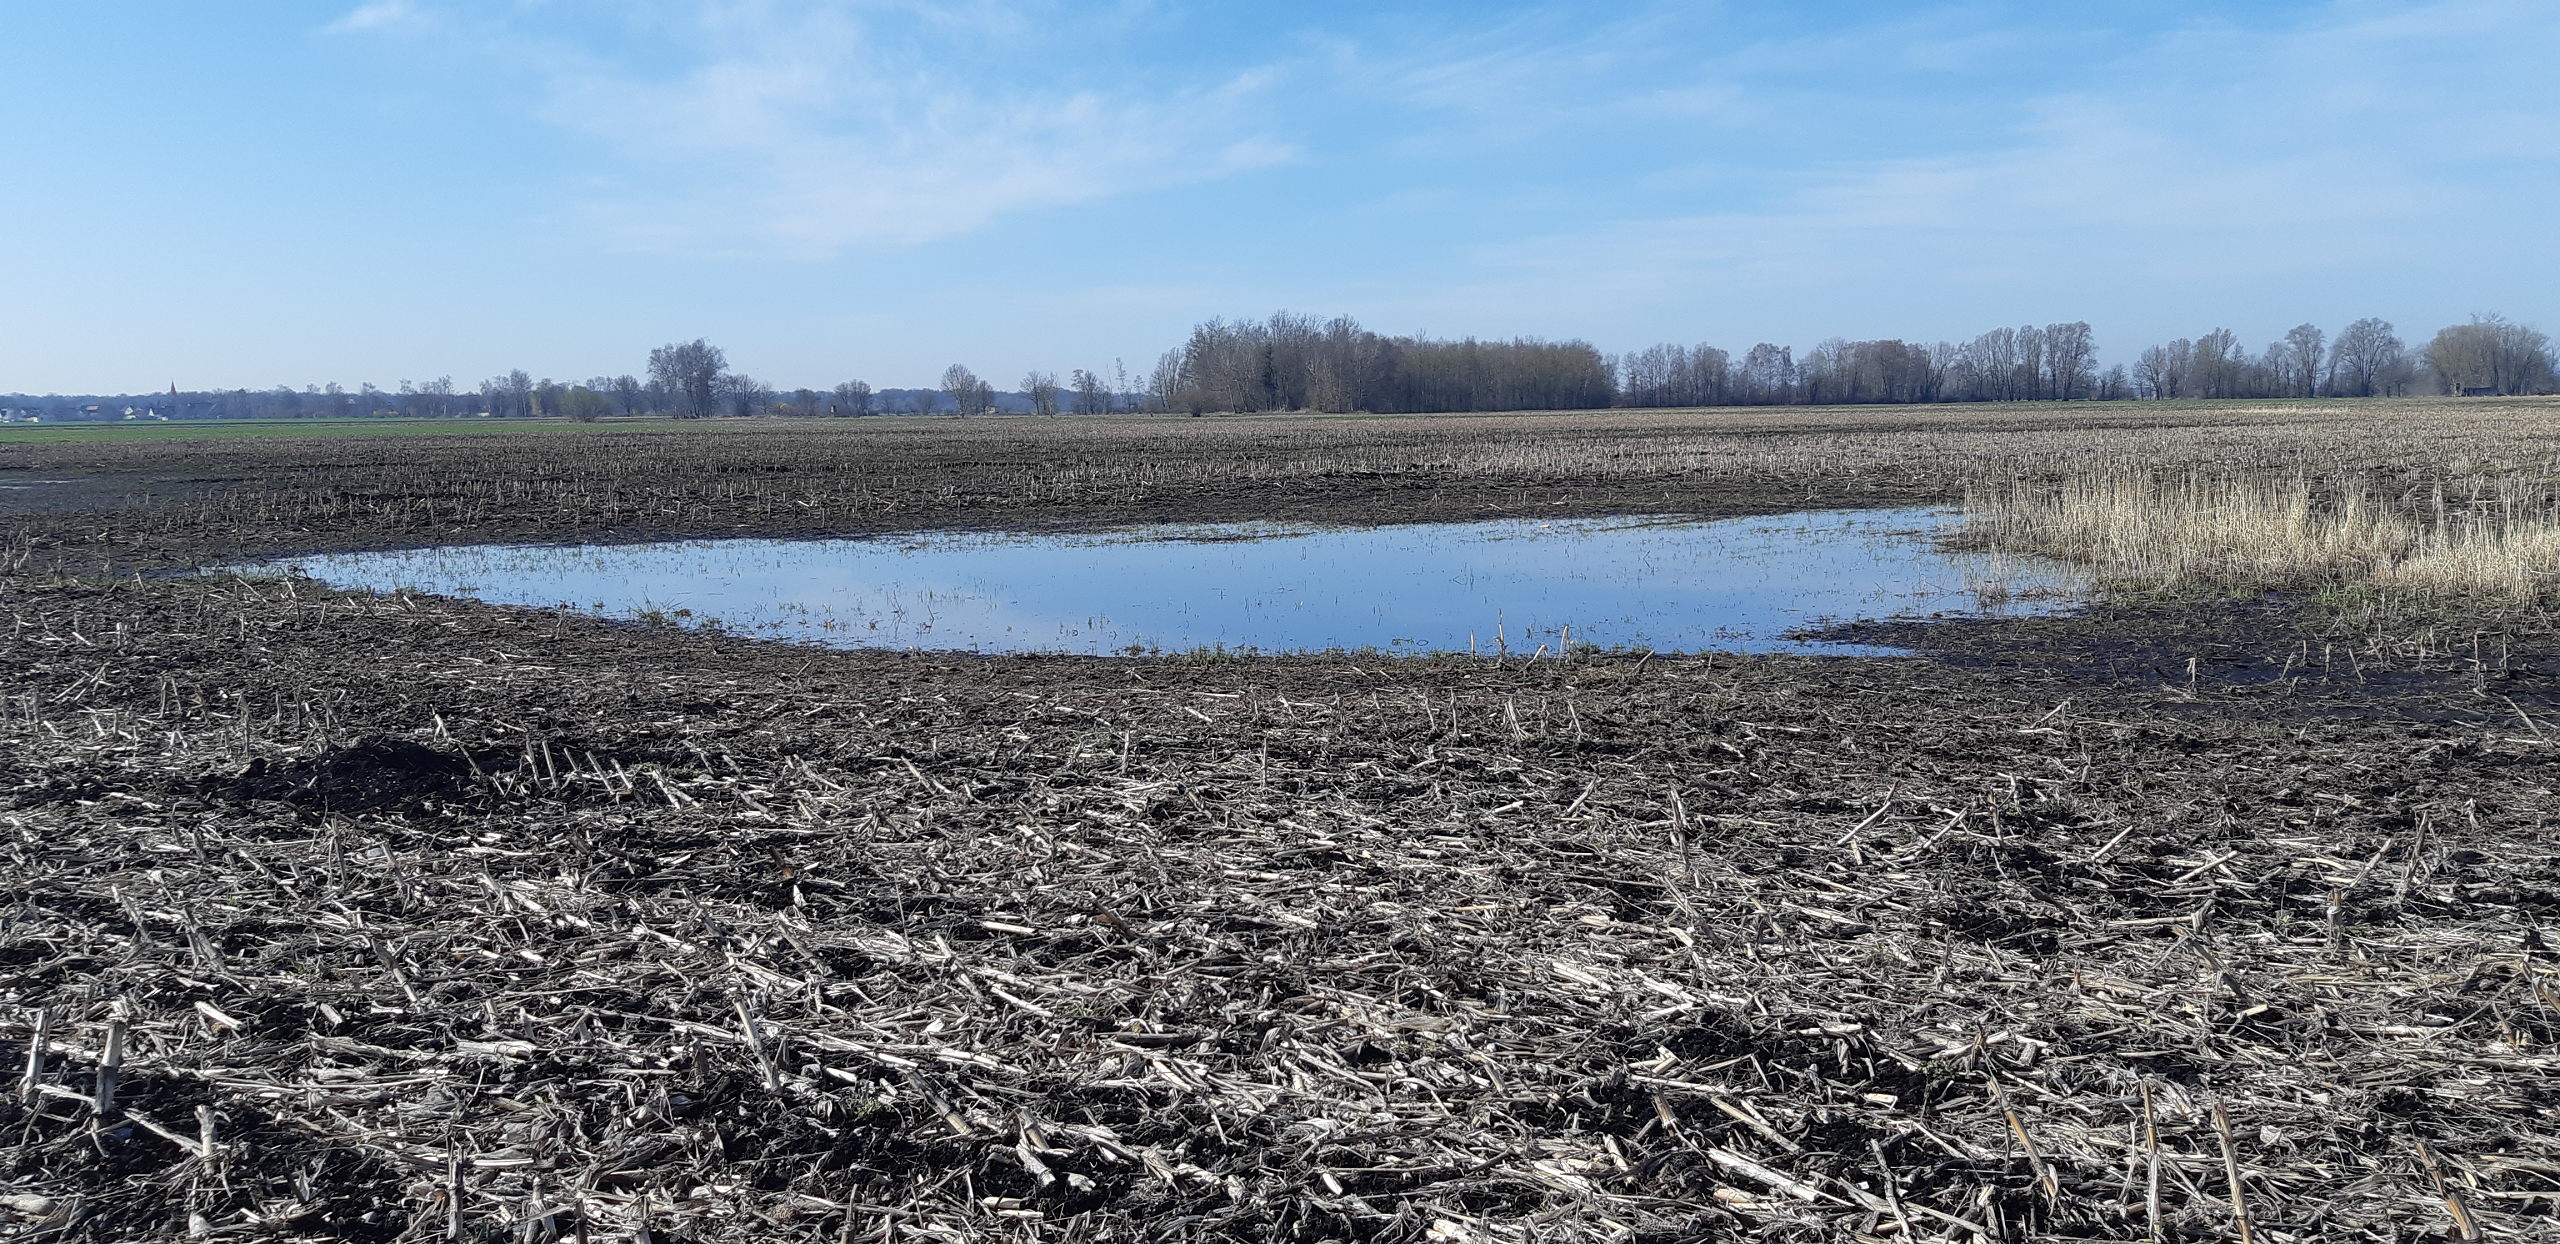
154, 503
374, 773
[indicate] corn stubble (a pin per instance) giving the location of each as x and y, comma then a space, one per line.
403, 918
338, 917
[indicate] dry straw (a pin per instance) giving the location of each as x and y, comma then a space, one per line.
2493, 537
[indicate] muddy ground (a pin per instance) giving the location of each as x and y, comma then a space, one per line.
416, 918
167, 496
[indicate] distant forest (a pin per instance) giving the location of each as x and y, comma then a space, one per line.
1298, 362
1294, 362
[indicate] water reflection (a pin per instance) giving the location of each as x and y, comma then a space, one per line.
1645, 583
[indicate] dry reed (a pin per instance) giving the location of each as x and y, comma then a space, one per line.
2494, 537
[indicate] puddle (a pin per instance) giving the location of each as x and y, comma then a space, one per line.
1669, 585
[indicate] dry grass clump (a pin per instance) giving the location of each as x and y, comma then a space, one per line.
2484, 537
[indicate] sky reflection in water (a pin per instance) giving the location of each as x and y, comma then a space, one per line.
1636, 583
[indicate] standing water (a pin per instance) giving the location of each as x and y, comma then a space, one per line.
1668, 585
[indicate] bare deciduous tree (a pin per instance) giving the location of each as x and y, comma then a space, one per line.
965, 389
746, 394
1986, 368
690, 372
1092, 396
1167, 383
2369, 360
2161, 371
1042, 388
1768, 375
2305, 347
2218, 366
2070, 360
853, 397
508, 397
2031, 375
2491, 355
626, 391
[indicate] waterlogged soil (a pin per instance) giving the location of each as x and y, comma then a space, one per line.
2309, 656
421, 918
165, 496
439, 920
166, 501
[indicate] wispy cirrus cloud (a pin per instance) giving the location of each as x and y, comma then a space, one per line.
2253, 172
1617, 168
805, 129
380, 15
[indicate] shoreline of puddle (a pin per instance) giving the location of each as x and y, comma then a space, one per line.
1635, 583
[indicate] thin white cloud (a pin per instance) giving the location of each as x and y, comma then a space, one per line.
2408, 148
903, 162
1618, 169
377, 16
804, 130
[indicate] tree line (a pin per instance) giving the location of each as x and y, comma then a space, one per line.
2054, 363
1300, 362
1293, 362
2058, 362
1297, 362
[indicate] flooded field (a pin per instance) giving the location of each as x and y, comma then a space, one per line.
405, 916
1637, 583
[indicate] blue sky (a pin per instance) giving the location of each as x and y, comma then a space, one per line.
286, 192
